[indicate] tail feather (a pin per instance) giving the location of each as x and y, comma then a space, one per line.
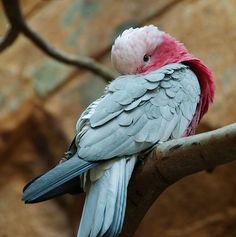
99, 192
59, 180
118, 219
105, 203
108, 197
120, 203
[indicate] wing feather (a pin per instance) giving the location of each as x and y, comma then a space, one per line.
138, 111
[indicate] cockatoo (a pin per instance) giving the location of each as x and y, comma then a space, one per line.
162, 93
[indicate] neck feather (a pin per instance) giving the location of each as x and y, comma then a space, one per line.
172, 51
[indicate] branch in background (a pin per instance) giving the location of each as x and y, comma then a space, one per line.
14, 30
8, 39
79, 61
17, 21
170, 162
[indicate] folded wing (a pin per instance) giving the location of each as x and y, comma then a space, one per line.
139, 111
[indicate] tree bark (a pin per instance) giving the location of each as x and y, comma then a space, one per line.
18, 24
172, 161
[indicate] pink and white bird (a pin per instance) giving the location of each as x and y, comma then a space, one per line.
162, 94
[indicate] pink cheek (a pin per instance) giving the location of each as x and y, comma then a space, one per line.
141, 69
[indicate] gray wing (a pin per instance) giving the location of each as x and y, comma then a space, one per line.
137, 112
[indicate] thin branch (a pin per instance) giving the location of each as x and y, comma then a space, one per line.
15, 17
78, 61
14, 30
8, 39
172, 161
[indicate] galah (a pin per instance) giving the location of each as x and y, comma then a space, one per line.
162, 93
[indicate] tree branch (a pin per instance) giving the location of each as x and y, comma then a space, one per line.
8, 39
170, 162
17, 21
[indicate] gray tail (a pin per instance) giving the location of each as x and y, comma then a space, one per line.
105, 204
63, 178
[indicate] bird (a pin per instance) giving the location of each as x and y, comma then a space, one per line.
161, 93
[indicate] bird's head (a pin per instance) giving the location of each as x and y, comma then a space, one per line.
144, 49
138, 50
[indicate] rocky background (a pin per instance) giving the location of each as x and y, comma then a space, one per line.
41, 99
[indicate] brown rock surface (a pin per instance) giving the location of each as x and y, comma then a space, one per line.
46, 219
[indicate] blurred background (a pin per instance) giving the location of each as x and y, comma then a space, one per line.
41, 99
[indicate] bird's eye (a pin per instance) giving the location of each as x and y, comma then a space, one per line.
146, 58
